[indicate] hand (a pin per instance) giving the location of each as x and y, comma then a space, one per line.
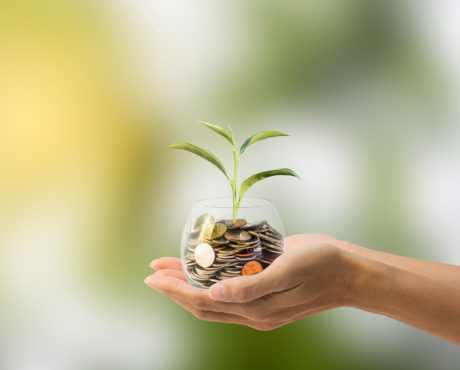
308, 277
318, 272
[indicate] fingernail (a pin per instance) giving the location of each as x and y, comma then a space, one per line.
217, 292
152, 263
147, 280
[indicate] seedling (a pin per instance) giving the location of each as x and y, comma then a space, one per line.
237, 154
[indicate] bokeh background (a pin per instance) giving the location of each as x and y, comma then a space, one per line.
91, 93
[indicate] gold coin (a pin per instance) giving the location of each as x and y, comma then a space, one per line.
213, 231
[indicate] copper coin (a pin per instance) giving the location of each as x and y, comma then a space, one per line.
238, 223
252, 268
233, 225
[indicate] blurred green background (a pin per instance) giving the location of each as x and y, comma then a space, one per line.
91, 93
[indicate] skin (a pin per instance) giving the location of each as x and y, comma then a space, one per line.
318, 273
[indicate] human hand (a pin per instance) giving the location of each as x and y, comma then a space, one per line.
310, 276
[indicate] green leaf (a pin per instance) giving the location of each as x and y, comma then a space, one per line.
220, 131
260, 136
203, 153
231, 133
246, 184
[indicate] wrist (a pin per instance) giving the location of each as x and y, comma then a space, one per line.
361, 280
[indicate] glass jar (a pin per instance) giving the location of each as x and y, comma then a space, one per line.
214, 247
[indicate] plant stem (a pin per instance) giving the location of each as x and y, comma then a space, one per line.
234, 183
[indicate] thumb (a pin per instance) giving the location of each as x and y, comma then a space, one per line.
243, 289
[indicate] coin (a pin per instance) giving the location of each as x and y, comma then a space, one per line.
213, 231
217, 250
267, 238
254, 225
274, 233
195, 233
251, 268
237, 235
216, 242
237, 224
265, 263
204, 255
205, 218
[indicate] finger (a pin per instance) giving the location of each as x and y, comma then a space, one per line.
261, 318
166, 263
224, 317
248, 288
172, 273
161, 277
287, 298
166, 282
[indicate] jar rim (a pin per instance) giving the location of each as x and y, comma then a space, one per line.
254, 202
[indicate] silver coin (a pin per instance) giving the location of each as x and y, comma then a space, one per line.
276, 251
262, 229
216, 242
205, 218
254, 225
275, 247
223, 247
267, 238
237, 236
274, 234
273, 230
204, 255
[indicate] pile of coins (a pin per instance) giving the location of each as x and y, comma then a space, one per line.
216, 250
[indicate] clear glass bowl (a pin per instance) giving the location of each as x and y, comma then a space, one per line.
214, 248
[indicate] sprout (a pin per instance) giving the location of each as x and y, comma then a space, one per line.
212, 158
